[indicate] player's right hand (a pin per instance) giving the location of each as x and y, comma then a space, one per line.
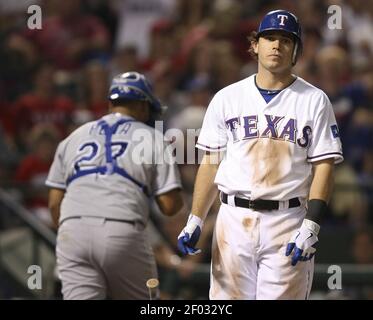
188, 238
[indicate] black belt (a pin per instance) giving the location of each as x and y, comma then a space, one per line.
259, 204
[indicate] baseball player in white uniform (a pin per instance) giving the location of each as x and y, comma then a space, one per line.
101, 186
280, 141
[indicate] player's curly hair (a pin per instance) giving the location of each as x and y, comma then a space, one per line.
252, 38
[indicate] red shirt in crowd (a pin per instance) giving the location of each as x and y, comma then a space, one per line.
31, 109
58, 37
33, 171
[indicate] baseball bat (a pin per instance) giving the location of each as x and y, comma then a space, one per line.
152, 285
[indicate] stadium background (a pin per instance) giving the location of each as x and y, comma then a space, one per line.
53, 80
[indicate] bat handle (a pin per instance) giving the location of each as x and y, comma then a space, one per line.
152, 285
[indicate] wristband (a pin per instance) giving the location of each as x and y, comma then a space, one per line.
316, 210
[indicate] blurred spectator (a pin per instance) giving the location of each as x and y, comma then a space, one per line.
9, 158
106, 12
199, 66
136, 19
17, 57
366, 182
193, 26
191, 13
363, 246
94, 82
359, 137
362, 250
195, 100
164, 84
357, 31
13, 13
162, 51
228, 25
33, 170
70, 37
312, 42
189, 121
348, 205
125, 59
333, 67
79, 116
227, 66
41, 105
312, 13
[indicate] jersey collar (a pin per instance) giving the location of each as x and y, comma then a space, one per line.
281, 91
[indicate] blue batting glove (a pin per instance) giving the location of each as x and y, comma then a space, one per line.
188, 238
303, 242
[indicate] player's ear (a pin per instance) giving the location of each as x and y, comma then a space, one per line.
254, 45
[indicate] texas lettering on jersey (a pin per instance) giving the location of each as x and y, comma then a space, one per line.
276, 128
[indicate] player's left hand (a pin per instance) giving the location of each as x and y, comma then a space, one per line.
304, 241
188, 238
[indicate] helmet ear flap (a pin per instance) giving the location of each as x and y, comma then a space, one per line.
296, 52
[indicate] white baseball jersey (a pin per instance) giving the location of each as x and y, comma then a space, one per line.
269, 147
84, 166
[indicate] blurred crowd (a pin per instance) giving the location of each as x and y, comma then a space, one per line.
55, 79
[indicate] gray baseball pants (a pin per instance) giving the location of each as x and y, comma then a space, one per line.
99, 259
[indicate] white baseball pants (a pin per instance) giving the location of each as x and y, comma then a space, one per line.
248, 255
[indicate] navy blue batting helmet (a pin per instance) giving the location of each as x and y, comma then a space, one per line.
282, 20
133, 86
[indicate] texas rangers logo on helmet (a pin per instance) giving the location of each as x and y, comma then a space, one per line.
282, 18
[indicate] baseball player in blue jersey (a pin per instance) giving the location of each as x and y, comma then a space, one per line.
103, 177
280, 141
